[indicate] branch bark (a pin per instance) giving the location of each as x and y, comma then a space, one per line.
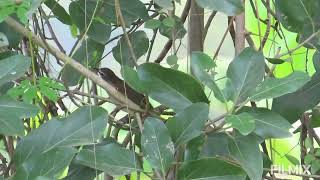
240, 38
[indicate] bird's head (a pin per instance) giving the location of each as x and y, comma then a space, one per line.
108, 75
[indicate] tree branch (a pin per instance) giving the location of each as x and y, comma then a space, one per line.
73, 63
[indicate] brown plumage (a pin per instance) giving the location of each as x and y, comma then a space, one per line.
109, 76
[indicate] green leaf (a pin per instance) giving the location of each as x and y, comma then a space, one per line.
49, 164
170, 87
309, 158
166, 4
200, 64
315, 166
49, 93
48, 82
229, 7
315, 118
131, 77
140, 45
157, 145
80, 172
98, 31
291, 106
275, 61
11, 114
168, 21
84, 126
293, 159
295, 14
272, 87
211, 168
302, 17
88, 54
13, 67
194, 148
245, 72
243, 149
152, 24
316, 61
177, 30
59, 12
131, 10
188, 124
269, 124
172, 60
243, 122
111, 158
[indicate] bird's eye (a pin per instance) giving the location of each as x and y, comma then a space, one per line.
100, 73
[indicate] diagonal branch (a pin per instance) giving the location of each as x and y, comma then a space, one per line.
73, 63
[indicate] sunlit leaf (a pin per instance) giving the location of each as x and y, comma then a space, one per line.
157, 145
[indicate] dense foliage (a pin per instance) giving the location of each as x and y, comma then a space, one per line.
56, 124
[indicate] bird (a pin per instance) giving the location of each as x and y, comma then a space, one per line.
109, 76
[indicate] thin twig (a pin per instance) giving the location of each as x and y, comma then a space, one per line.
223, 38
208, 24
123, 25
300, 45
266, 35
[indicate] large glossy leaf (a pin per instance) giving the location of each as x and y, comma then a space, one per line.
188, 123
200, 64
131, 11
84, 126
157, 145
166, 4
291, 106
229, 7
300, 16
243, 122
49, 164
140, 44
243, 149
88, 54
11, 114
131, 77
170, 87
81, 13
111, 158
316, 61
272, 87
295, 14
246, 72
211, 168
269, 124
59, 12
13, 67
80, 172
194, 147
